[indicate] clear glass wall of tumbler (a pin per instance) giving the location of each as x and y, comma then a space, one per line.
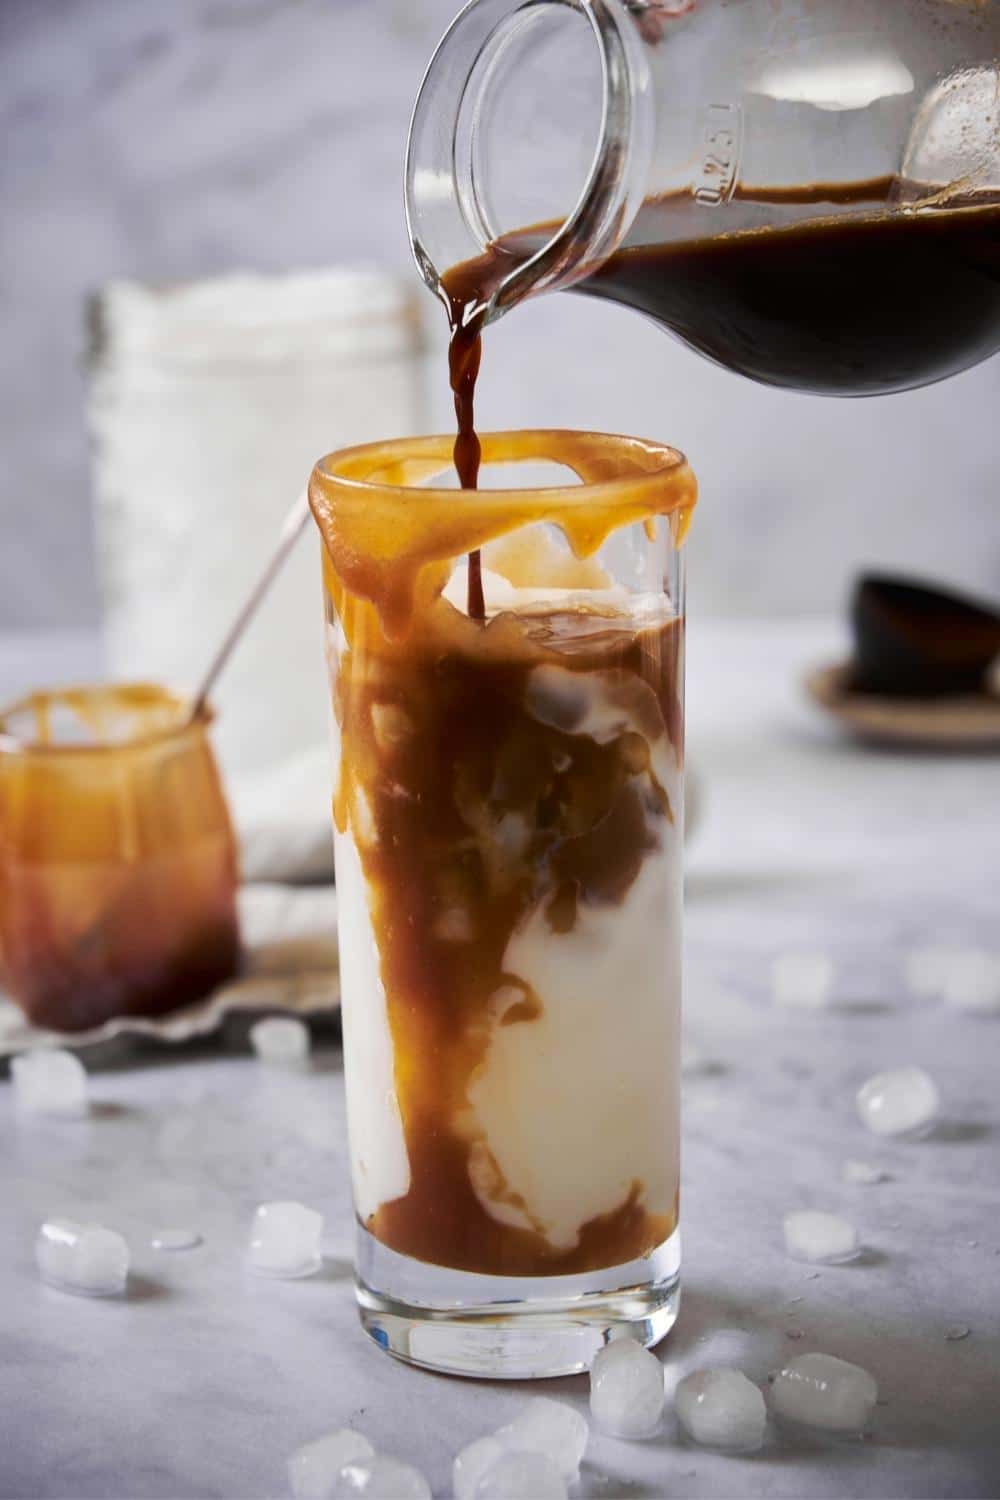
509, 829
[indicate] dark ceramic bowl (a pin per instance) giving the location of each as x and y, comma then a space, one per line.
913, 641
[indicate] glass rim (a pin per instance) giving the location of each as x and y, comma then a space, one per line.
453, 87
362, 469
13, 745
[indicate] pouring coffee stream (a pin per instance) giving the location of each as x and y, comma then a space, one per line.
464, 355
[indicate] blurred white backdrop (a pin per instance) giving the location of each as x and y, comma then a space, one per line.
166, 141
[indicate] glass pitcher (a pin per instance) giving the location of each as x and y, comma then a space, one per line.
805, 191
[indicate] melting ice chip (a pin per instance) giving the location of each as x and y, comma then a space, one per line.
281, 1042
810, 1235
83, 1258
50, 1081
380, 1478
863, 1172
313, 1468
176, 1239
285, 1240
722, 1409
898, 1102
550, 1427
822, 1391
626, 1390
802, 981
522, 1476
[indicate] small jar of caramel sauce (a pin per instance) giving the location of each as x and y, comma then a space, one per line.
118, 865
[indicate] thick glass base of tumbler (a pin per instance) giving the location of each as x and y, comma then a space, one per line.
512, 1327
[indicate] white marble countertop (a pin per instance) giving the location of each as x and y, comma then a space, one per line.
204, 1378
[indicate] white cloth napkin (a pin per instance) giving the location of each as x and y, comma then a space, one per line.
283, 820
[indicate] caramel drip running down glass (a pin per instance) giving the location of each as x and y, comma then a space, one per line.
508, 824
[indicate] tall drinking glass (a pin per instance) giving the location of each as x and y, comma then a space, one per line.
509, 809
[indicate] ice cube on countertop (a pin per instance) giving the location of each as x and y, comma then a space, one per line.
722, 1409
379, 1478
899, 1102
552, 1427
814, 1236
972, 983
965, 978
823, 1391
86, 1259
863, 1172
627, 1392
802, 981
50, 1081
313, 1468
471, 1463
522, 1476
926, 970
281, 1042
285, 1240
